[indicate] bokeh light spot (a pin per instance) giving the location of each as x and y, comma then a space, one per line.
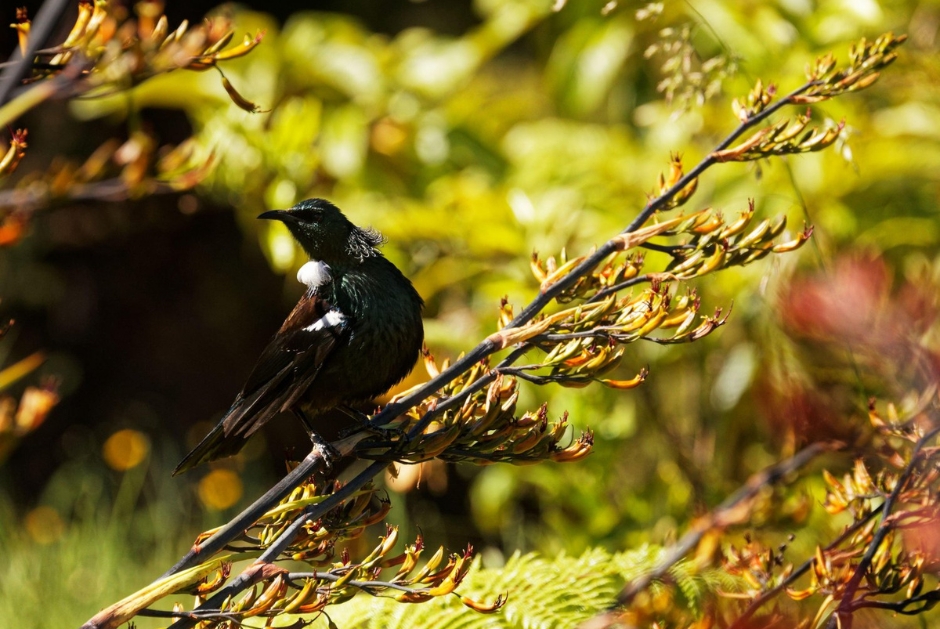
220, 489
44, 525
125, 449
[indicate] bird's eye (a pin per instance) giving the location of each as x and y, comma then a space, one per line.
308, 215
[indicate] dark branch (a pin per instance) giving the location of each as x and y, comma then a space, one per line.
842, 617
616, 288
252, 575
40, 31
489, 346
718, 518
249, 516
741, 622
925, 601
673, 250
116, 189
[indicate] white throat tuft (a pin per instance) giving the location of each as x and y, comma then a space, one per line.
314, 274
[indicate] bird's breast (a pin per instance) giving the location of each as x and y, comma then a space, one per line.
385, 333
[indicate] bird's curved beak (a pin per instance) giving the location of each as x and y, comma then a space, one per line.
279, 215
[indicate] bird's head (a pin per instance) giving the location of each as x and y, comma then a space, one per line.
325, 234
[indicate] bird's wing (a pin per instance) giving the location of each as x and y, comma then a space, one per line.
283, 373
308, 335
288, 365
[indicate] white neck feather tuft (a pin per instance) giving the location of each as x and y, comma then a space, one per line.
314, 273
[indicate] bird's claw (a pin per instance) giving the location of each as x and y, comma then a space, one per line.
327, 452
386, 434
365, 425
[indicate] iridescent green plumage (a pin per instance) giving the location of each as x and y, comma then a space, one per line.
355, 333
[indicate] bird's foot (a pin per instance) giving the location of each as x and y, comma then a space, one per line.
386, 434
356, 415
328, 454
320, 445
365, 425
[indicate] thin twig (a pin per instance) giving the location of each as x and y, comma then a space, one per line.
115, 189
927, 600
717, 518
616, 288
205, 613
673, 250
363, 585
842, 616
724, 514
741, 621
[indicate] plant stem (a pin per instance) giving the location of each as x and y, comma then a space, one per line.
40, 30
842, 616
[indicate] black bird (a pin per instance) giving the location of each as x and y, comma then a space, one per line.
355, 333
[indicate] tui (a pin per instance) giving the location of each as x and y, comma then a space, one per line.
355, 333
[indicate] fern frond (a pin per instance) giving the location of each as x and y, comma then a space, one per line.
543, 593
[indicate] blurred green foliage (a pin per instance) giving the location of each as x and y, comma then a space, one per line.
541, 129
562, 592
70, 551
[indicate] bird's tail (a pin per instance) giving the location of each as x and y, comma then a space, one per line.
215, 445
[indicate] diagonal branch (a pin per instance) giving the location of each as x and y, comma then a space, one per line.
725, 514
728, 512
40, 30
490, 346
760, 601
842, 617
255, 572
